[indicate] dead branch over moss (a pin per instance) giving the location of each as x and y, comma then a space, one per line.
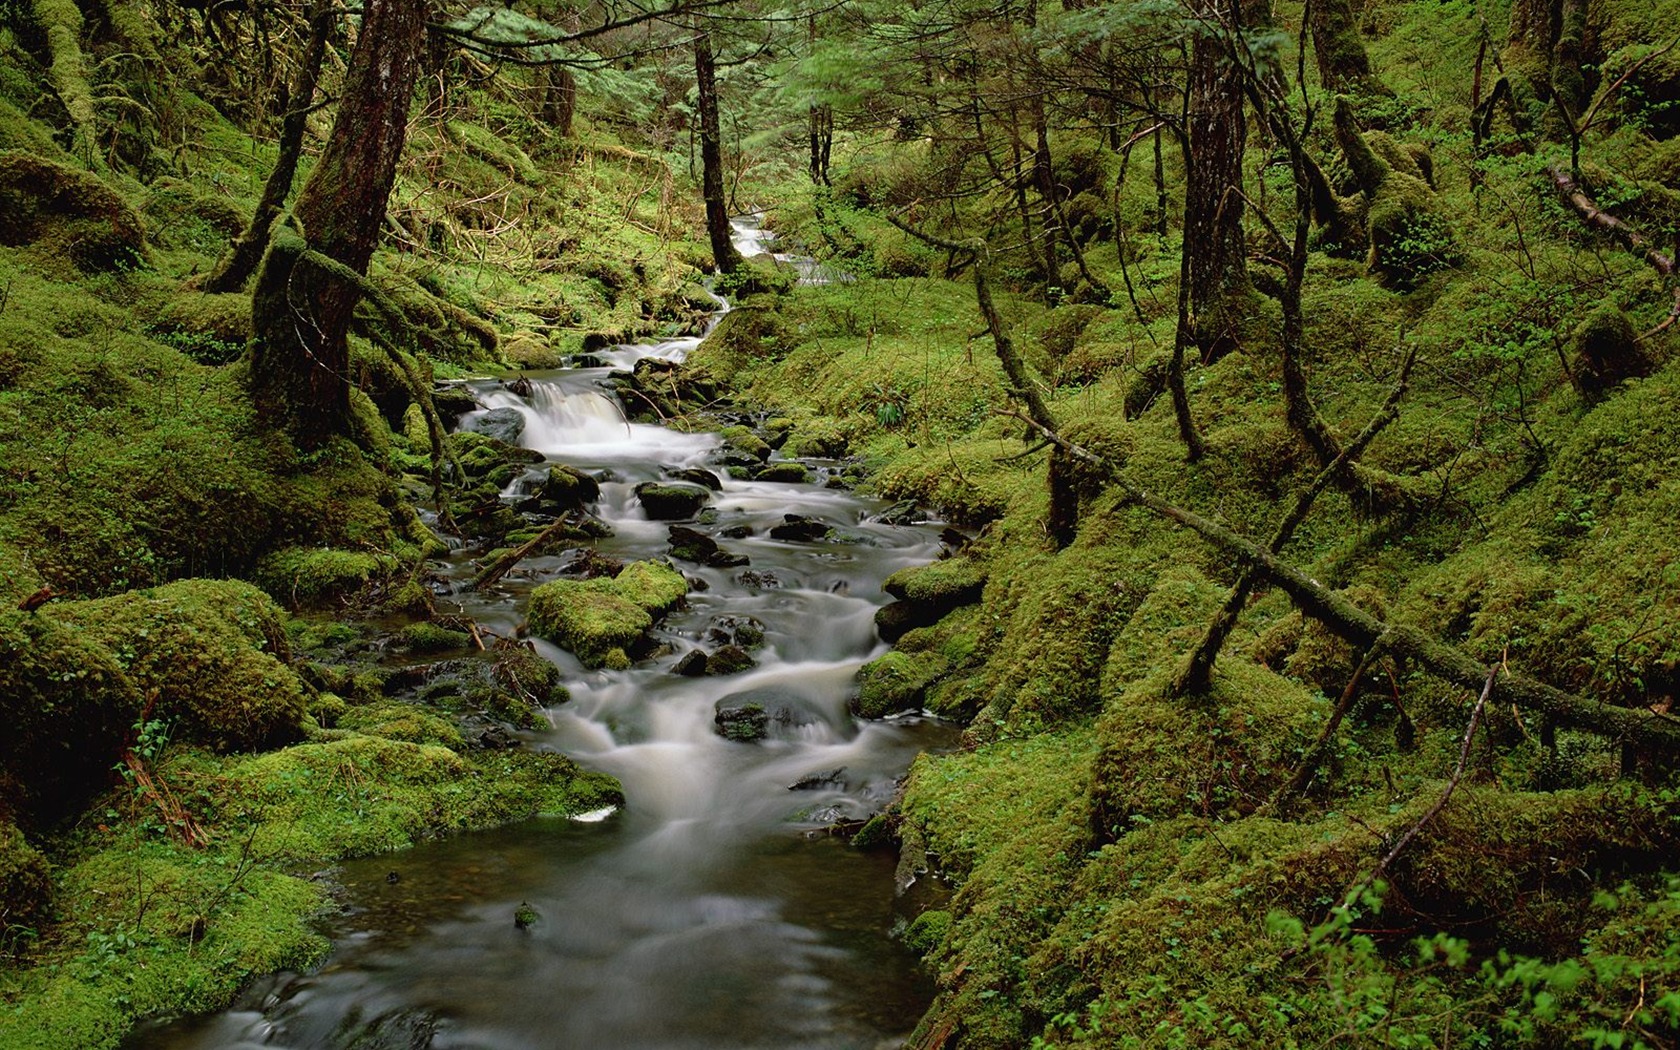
1649, 729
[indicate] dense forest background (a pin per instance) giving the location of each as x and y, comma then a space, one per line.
1305, 374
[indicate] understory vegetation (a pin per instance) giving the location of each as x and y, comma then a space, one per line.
1315, 621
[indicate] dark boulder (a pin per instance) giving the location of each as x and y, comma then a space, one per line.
828, 778
904, 512
731, 659
753, 714
693, 665
799, 528
744, 631
671, 502
503, 424
697, 476
691, 545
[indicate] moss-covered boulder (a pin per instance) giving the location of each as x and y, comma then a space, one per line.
1606, 352
666, 502
305, 577
786, 471
67, 706
530, 350
68, 213
603, 619
25, 884
569, 488
896, 682
204, 657
742, 439
210, 656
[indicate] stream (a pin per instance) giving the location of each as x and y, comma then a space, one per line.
713, 910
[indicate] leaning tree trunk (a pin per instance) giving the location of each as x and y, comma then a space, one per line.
1213, 204
301, 314
1343, 66
240, 260
711, 157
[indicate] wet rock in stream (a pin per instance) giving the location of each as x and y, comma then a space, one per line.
693, 546
800, 529
671, 502
503, 424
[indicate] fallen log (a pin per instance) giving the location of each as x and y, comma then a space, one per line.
504, 564
1599, 219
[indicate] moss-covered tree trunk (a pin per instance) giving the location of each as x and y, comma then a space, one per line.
1343, 66
242, 256
711, 157
301, 316
1220, 290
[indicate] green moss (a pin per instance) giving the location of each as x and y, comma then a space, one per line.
208, 654
68, 705
742, 439
927, 931
25, 888
896, 682
588, 619
947, 582
67, 213
601, 619
312, 577
1606, 351
652, 585
432, 638
1225, 753
496, 149
402, 722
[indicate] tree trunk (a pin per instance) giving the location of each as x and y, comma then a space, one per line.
822, 141
1343, 66
242, 256
300, 355
711, 158
1220, 291
1527, 58
560, 100
1044, 179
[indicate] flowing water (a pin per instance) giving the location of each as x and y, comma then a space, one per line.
712, 911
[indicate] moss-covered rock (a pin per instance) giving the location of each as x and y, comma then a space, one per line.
786, 471
209, 655
25, 882
601, 620
67, 213
68, 706
667, 502
896, 682
314, 577
433, 638
1605, 351
742, 439
569, 487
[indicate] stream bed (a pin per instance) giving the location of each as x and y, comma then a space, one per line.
713, 910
